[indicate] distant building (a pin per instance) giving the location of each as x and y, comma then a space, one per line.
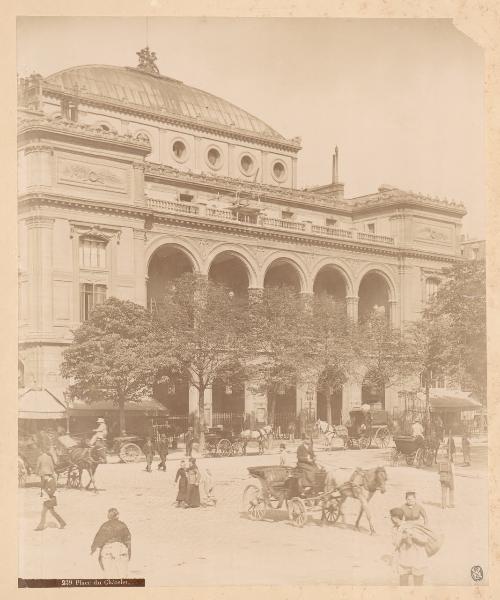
473, 249
128, 178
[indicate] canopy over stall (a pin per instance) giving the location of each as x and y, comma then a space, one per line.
40, 404
147, 406
452, 400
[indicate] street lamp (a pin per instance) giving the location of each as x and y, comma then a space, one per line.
67, 400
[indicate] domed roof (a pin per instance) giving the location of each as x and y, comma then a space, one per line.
136, 87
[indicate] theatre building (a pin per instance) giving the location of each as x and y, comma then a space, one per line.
128, 178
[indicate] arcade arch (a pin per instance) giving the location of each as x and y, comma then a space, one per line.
230, 270
374, 295
282, 272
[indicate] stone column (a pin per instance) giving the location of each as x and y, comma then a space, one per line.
352, 307
138, 183
351, 398
39, 165
40, 248
140, 268
394, 316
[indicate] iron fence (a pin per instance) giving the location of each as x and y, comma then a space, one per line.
229, 420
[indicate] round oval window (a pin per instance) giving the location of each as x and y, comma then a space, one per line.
214, 157
179, 149
279, 170
246, 164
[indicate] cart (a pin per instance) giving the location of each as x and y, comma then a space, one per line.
129, 447
368, 429
279, 486
223, 442
408, 449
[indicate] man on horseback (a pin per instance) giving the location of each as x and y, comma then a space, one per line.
306, 463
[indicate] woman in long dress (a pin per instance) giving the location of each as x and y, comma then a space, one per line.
181, 477
193, 484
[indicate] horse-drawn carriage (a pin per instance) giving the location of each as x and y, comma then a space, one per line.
413, 452
223, 442
281, 485
129, 447
368, 427
71, 458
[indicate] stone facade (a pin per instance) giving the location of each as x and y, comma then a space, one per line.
116, 196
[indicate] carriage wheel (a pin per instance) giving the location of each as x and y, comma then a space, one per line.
74, 477
22, 473
363, 443
130, 453
419, 458
253, 503
428, 457
382, 438
237, 448
224, 448
395, 454
331, 510
297, 512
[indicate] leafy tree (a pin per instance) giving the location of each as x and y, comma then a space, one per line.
282, 342
388, 354
202, 327
335, 348
113, 356
454, 327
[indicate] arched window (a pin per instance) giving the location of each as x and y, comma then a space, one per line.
431, 287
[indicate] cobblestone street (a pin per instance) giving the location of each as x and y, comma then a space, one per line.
220, 546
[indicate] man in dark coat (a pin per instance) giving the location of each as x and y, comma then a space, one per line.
49, 489
189, 439
162, 447
115, 546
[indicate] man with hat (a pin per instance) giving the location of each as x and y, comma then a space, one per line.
49, 487
100, 433
189, 439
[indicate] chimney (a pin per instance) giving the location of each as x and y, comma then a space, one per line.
336, 179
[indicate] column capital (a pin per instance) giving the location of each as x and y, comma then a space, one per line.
38, 148
39, 221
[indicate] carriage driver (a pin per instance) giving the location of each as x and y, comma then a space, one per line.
101, 433
306, 462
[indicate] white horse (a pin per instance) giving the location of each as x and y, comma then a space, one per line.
330, 432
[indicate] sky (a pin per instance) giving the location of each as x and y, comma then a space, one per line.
402, 99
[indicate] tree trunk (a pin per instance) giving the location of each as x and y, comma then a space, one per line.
201, 419
121, 416
272, 409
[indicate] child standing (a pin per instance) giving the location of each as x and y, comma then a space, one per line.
412, 511
148, 452
282, 455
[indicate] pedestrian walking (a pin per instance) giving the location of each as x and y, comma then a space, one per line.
445, 471
410, 556
207, 488
49, 503
291, 431
189, 439
181, 477
149, 453
282, 455
115, 546
162, 448
193, 485
466, 449
412, 511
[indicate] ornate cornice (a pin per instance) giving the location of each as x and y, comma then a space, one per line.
35, 125
162, 116
38, 148
39, 221
198, 223
80, 229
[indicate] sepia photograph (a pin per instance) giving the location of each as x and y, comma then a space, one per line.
251, 302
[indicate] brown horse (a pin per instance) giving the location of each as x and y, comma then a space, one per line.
362, 484
87, 459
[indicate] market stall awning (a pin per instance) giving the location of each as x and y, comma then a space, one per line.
449, 400
145, 406
40, 404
